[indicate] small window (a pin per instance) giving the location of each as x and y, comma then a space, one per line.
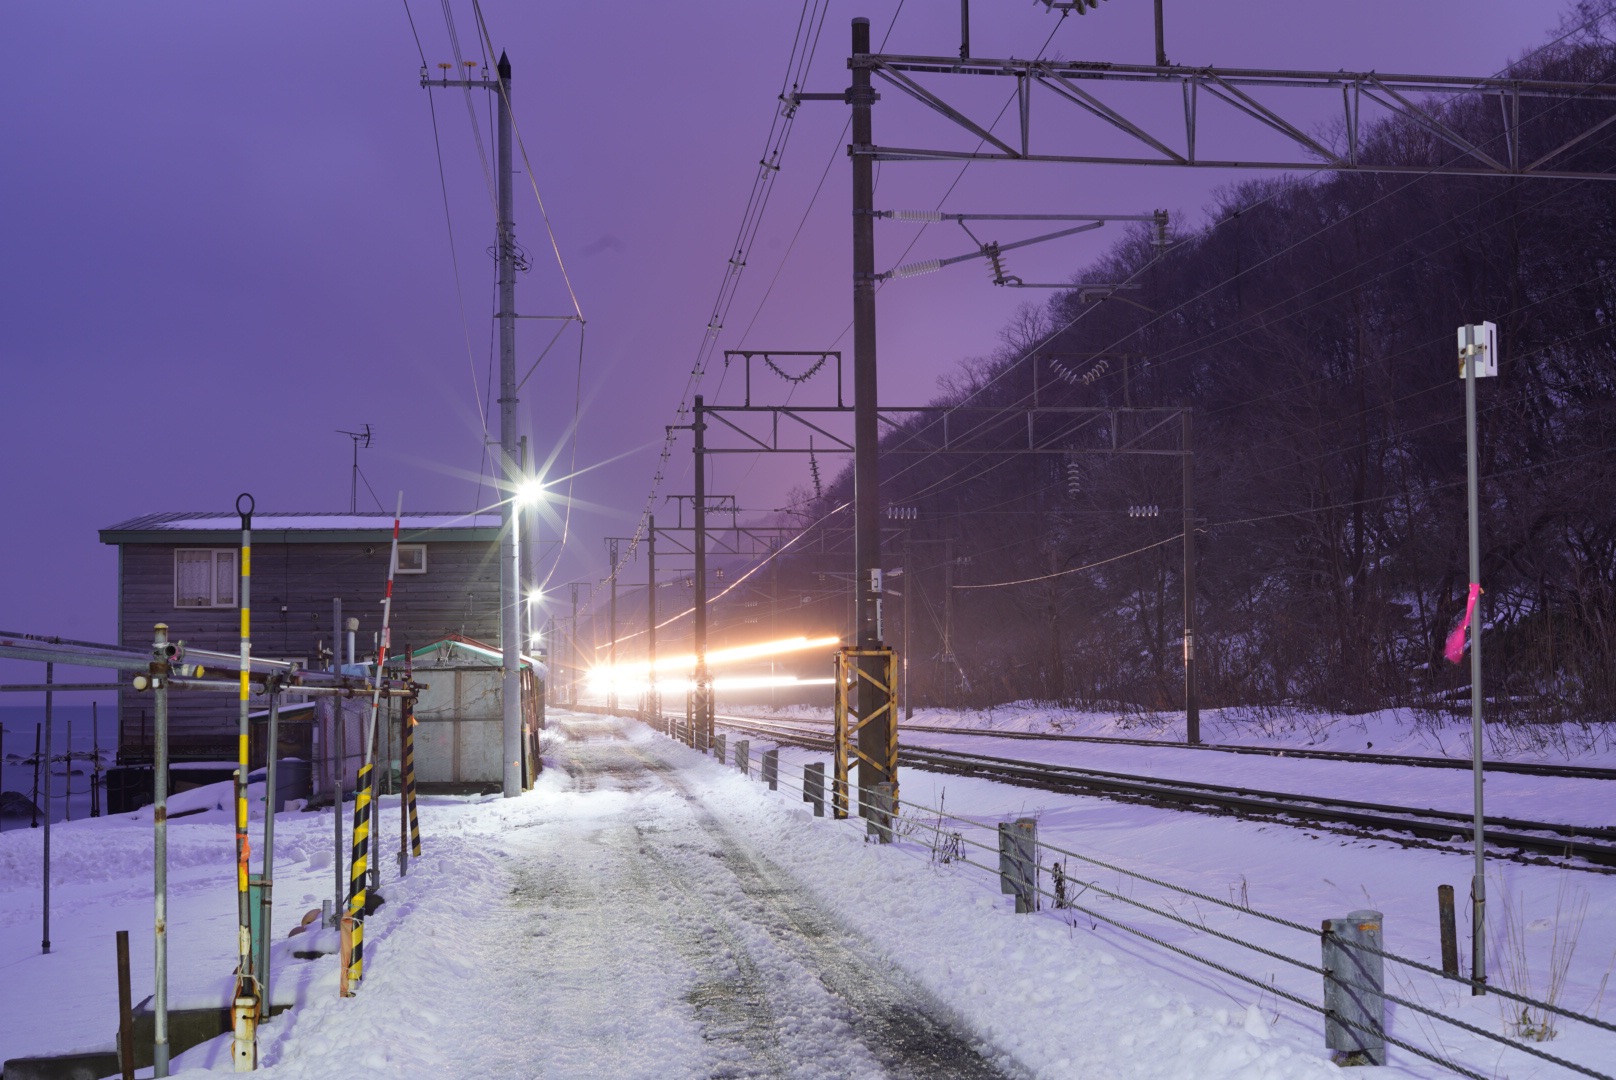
205, 577
412, 558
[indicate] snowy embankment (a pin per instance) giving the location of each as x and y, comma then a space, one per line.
645, 912
1388, 731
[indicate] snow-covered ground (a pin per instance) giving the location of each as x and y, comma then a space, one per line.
1388, 731
646, 911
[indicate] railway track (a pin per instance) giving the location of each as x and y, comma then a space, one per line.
1593, 844
1526, 768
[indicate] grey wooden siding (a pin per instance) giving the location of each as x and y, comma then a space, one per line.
292, 589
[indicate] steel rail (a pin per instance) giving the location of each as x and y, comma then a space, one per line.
1570, 840
1526, 768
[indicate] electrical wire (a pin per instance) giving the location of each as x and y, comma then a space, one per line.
454, 257
751, 220
527, 166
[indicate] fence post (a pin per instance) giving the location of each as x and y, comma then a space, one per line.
743, 757
1354, 985
1018, 862
718, 747
813, 786
771, 769
1450, 933
878, 821
126, 1027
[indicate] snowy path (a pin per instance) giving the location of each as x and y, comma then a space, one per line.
637, 928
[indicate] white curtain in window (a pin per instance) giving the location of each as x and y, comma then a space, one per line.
193, 578
224, 568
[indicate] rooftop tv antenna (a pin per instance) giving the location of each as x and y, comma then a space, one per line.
360, 438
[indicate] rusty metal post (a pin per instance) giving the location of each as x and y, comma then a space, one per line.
1449, 931
126, 1026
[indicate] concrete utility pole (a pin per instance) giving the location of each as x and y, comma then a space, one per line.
703, 697
874, 735
573, 650
611, 622
510, 567
510, 471
1192, 704
652, 704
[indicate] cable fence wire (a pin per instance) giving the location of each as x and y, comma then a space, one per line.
1068, 903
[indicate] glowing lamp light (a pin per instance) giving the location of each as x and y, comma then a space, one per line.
633, 677
529, 492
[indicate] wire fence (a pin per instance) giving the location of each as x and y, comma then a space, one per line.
952, 834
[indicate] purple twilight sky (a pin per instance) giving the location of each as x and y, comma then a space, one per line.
223, 239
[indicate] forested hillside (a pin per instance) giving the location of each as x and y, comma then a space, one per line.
1310, 327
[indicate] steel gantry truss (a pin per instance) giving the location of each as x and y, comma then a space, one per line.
1246, 95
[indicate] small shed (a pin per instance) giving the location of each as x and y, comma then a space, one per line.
459, 733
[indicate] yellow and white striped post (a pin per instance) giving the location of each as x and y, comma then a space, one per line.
246, 1006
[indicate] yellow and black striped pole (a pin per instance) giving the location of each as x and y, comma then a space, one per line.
356, 875
367, 773
409, 755
246, 1005
409, 782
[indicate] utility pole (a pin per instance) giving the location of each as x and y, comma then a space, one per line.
611, 623
652, 704
910, 584
510, 567
948, 620
572, 650
510, 570
529, 547
876, 730
703, 691
1192, 705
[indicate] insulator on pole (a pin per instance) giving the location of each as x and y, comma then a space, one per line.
918, 215
916, 269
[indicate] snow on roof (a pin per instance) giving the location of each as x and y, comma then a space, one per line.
304, 521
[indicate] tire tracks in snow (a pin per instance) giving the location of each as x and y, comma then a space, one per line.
891, 1027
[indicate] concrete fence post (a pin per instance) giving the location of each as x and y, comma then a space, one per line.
718, 747
878, 820
1354, 988
813, 786
743, 757
1018, 862
771, 769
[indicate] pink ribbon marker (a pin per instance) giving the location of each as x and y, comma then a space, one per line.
1455, 648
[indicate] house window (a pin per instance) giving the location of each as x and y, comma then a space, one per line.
205, 577
412, 558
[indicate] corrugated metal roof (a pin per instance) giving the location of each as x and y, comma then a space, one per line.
301, 527
305, 519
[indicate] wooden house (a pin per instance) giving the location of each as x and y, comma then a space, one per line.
181, 569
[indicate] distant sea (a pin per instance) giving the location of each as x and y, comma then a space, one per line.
75, 721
